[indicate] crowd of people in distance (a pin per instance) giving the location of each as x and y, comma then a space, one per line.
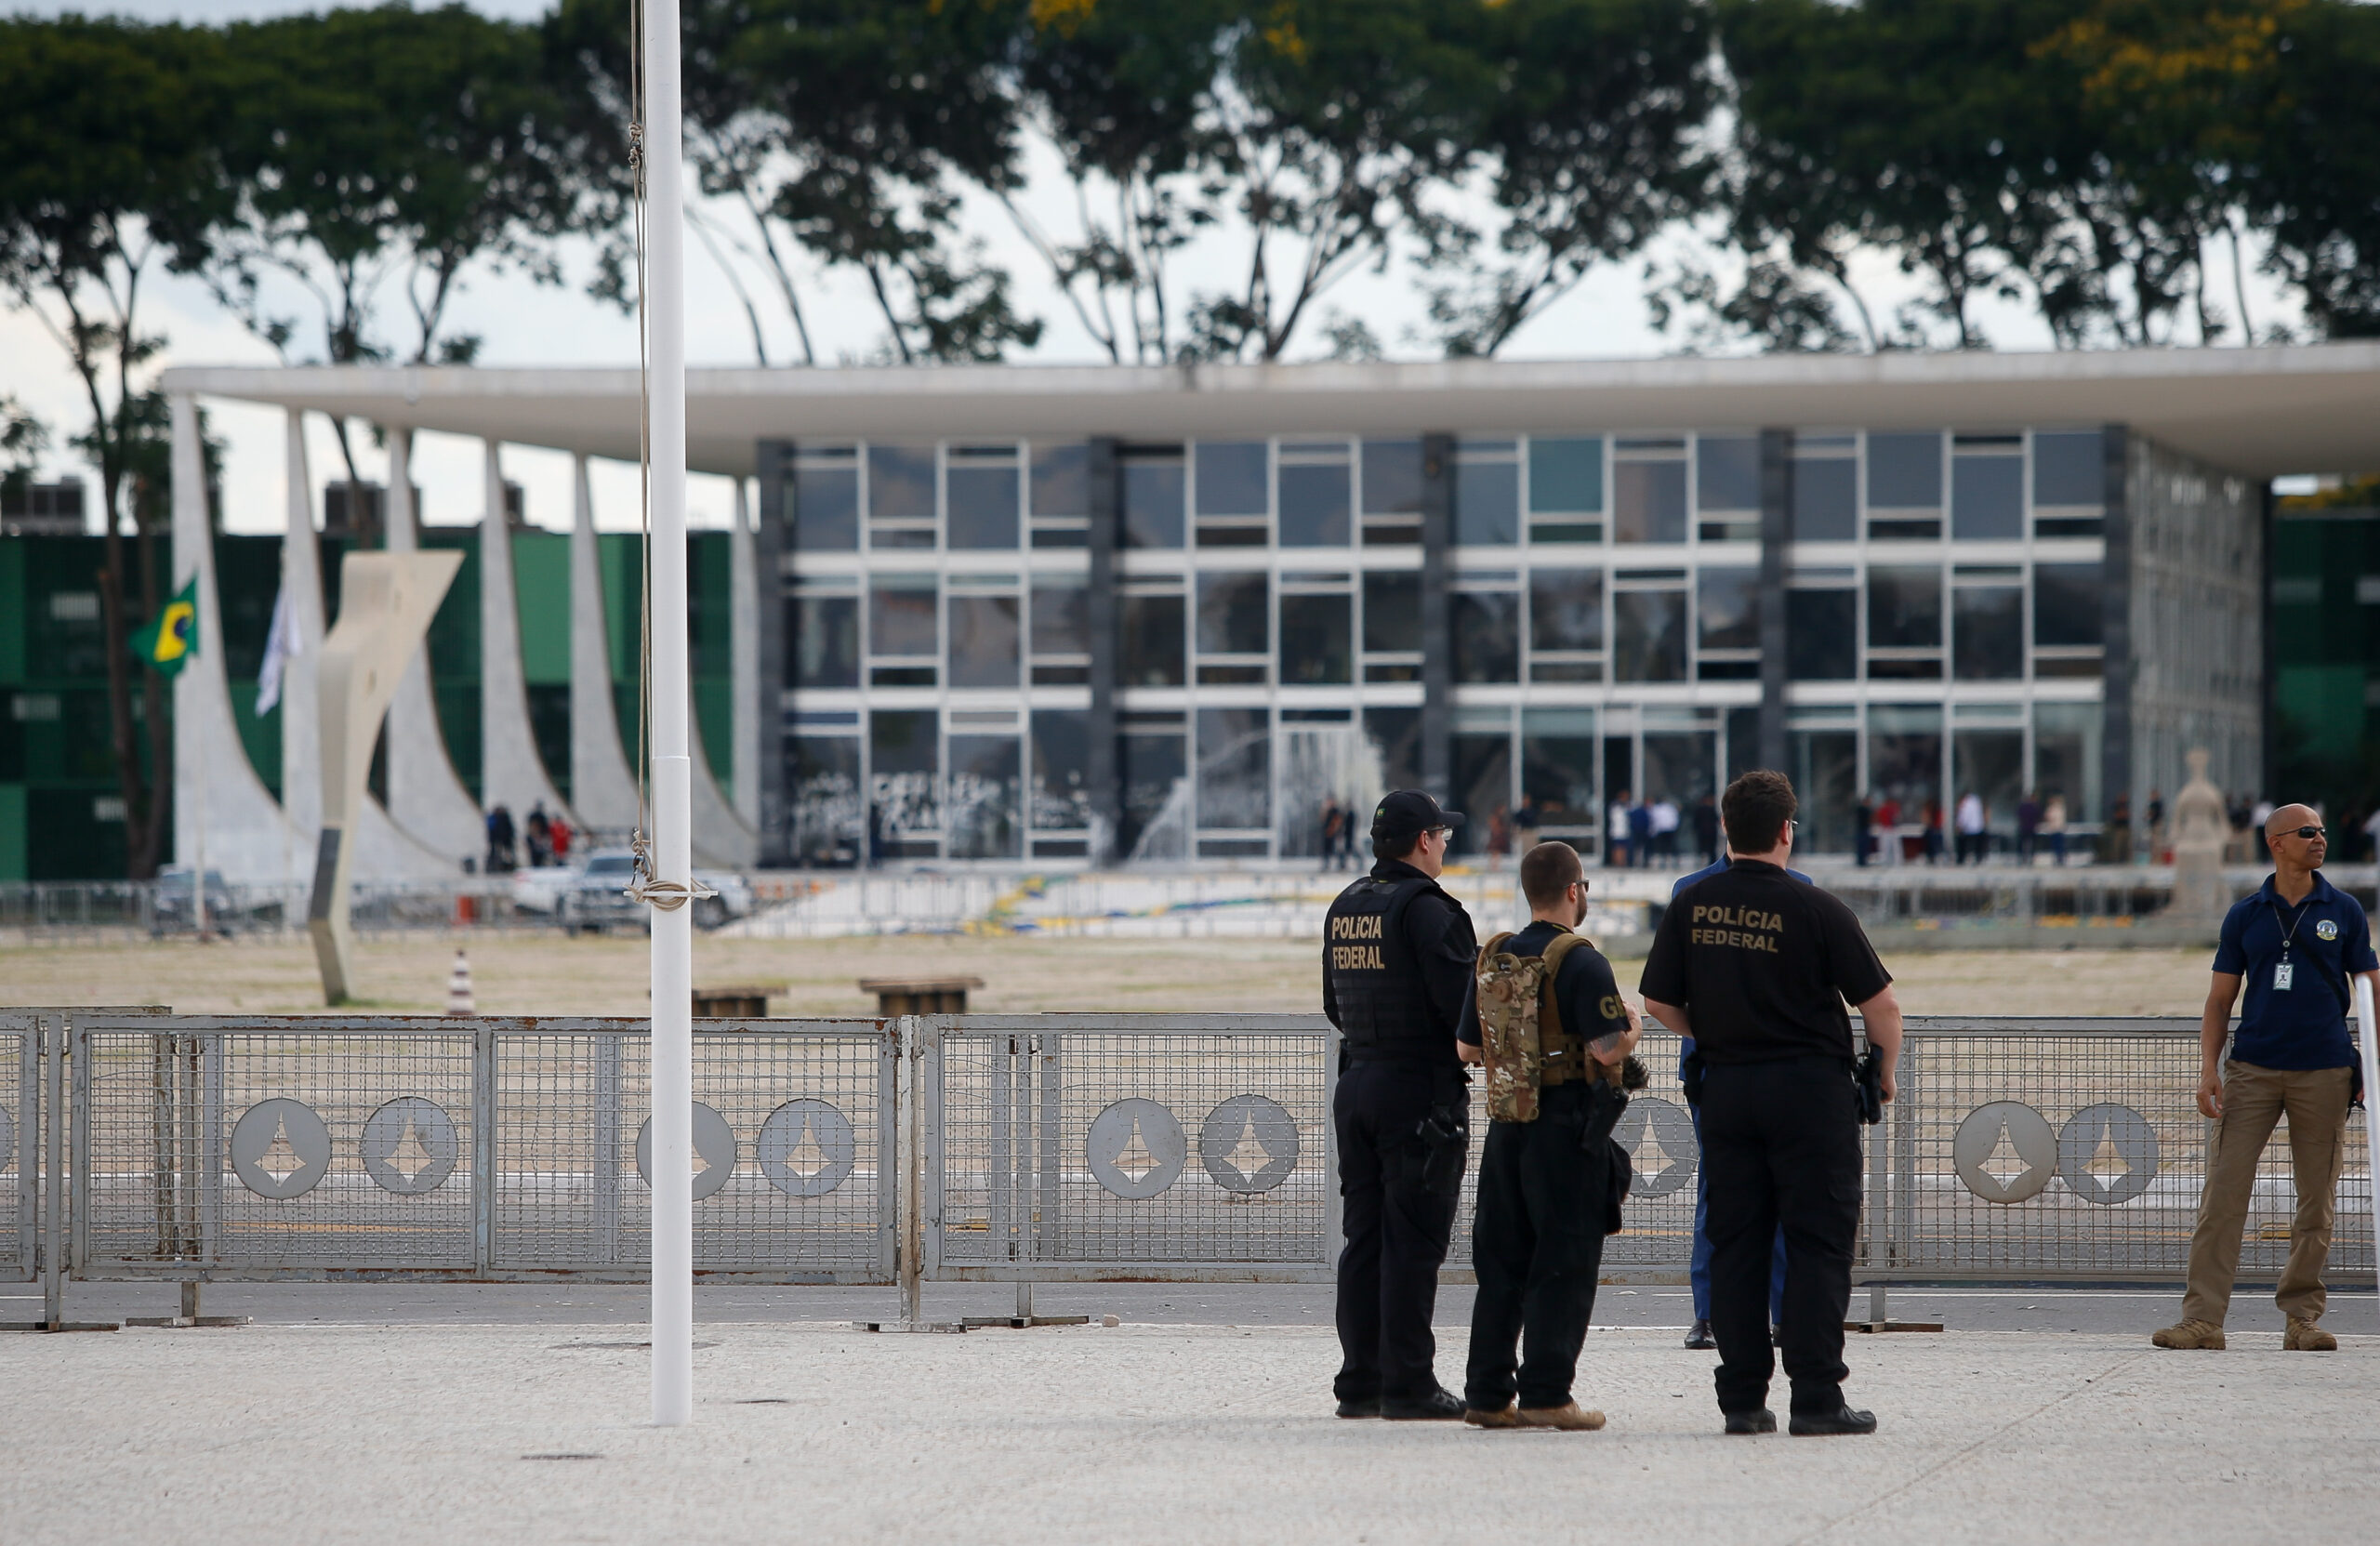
548, 838
1650, 834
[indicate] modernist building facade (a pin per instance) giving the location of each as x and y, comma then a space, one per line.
1065, 616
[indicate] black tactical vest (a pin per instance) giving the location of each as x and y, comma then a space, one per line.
1384, 1008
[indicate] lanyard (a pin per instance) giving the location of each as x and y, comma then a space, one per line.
2302, 908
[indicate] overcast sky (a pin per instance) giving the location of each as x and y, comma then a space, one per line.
524, 324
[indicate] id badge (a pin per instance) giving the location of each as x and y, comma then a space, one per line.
2282, 976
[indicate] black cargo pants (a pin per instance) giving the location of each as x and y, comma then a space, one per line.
1780, 1142
1538, 1246
1397, 1228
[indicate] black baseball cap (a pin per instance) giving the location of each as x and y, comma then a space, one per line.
1410, 811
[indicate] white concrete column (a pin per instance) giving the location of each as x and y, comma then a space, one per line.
510, 769
242, 823
744, 632
301, 581
425, 796
603, 785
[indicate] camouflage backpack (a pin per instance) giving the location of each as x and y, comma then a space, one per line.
1519, 1023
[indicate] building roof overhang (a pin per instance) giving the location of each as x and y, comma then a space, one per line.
2260, 413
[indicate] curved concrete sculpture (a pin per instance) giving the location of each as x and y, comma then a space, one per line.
511, 771
601, 786
744, 646
381, 851
425, 796
222, 811
385, 603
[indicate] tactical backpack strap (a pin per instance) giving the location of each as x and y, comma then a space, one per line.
1566, 1056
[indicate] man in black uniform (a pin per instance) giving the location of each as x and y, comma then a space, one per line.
1756, 967
1396, 962
1545, 1189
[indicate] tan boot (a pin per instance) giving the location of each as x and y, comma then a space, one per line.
2196, 1335
2304, 1336
1571, 1418
1480, 1418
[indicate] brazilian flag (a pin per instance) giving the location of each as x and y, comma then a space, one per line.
172, 637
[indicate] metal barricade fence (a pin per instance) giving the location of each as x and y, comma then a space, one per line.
1085, 1146
20, 1109
1015, 1149
2048, 1149
317, 1147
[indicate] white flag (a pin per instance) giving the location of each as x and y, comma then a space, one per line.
279, 643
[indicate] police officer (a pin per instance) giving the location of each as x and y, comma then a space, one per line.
1545, 1185
1757, 967
1396, 962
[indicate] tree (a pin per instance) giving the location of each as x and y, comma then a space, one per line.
1127, 94
840, 127
108, 172
1593, 140
23, 436
387, 146
1883, 125
1336, 122
2316, 187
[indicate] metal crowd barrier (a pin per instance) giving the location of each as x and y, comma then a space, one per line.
311, 1147
992, 1148
21, 1107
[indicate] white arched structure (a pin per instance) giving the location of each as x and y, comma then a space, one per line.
511, 771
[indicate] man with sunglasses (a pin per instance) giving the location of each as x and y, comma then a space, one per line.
2294, 945
1397, 963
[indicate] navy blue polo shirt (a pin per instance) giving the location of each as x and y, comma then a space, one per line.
2305, 1026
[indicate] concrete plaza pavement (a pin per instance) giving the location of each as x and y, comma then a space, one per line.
533, 1432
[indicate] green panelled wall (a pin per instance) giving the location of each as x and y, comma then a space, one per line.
57, 788
2326, 662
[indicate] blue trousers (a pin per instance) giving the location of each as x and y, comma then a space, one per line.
1698, 1265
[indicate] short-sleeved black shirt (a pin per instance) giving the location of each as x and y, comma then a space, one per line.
1764, 964
1583, 990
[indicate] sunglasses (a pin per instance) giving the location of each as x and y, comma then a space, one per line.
2309, 833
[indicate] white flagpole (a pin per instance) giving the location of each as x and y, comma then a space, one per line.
673, 1239
2368, 1035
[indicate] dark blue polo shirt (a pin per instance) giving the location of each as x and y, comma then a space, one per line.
2305, 1026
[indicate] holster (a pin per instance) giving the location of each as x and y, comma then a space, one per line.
1871, 1077
1690, 1070
1604, 1103
1445, 1143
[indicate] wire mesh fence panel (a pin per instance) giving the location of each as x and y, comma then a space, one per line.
792, 1144
1067, 1145
274, 1146
2073, 1149
20, 1113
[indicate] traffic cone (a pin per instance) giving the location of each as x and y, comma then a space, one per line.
459, 988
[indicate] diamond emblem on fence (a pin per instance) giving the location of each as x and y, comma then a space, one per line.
280, 1149
2108, 1154
2004, 1152
714, 1154
1248, 1144
807, 1148
410, 1146
1136, 1149
1657, 1136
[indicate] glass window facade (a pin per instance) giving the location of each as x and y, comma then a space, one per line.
1602, 611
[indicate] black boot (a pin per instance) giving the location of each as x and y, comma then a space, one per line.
1842, 1419
1698, 1337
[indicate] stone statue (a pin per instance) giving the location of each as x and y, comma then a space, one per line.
2201, 828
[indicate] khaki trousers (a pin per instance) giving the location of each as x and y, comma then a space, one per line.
2254, 1099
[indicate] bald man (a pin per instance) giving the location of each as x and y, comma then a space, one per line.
2295, 944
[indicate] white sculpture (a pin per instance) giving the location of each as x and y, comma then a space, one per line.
385, 603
